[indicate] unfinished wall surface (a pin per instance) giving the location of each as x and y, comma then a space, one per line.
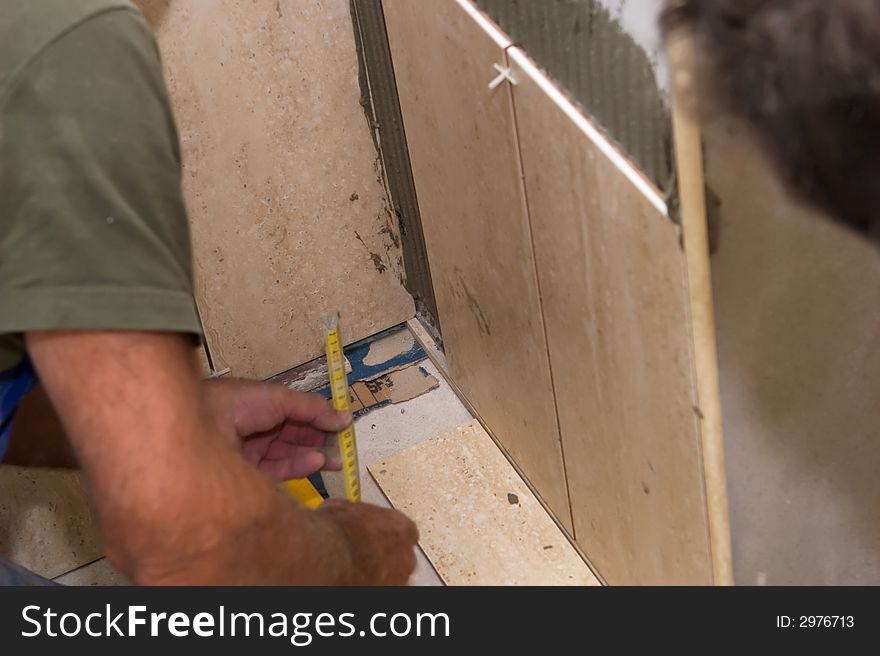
798, 321
287, 205
468, 181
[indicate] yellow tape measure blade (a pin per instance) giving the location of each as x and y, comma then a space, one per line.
341, 401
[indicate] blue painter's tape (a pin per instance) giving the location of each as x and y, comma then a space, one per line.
357, 353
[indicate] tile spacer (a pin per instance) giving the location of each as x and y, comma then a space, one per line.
503, 74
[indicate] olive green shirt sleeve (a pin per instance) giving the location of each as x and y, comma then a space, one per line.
94, 228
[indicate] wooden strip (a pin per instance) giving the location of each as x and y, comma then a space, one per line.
612, 281
308, 376
479, 522
467, 176
428, 343
692, 194
202, 361
289, 216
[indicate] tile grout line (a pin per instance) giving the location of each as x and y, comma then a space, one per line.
537, 276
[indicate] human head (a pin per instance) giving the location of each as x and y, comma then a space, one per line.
805, 76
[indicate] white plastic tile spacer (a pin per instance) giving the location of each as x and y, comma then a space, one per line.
503, 74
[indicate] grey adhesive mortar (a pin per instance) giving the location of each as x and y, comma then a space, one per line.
608, 56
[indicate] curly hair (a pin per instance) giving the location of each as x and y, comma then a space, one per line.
805, 74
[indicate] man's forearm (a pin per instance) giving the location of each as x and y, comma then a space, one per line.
227, 524
176, 501
38, 438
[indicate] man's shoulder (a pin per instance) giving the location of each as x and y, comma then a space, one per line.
27, 27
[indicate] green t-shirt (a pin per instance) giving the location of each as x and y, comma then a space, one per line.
93, 228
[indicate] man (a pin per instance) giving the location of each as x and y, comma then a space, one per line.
805, 76
97, 327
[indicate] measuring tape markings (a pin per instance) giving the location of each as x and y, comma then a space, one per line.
342, 402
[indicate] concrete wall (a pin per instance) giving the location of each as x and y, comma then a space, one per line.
798, 316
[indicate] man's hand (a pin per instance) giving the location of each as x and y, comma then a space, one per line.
280, 431
381, 541
176, 503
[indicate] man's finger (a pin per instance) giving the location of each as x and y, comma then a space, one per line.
311, 409
305, 464
332, 458
300, 435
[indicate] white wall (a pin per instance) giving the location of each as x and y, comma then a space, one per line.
639, 18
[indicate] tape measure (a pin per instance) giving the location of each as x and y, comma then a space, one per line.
342, 401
